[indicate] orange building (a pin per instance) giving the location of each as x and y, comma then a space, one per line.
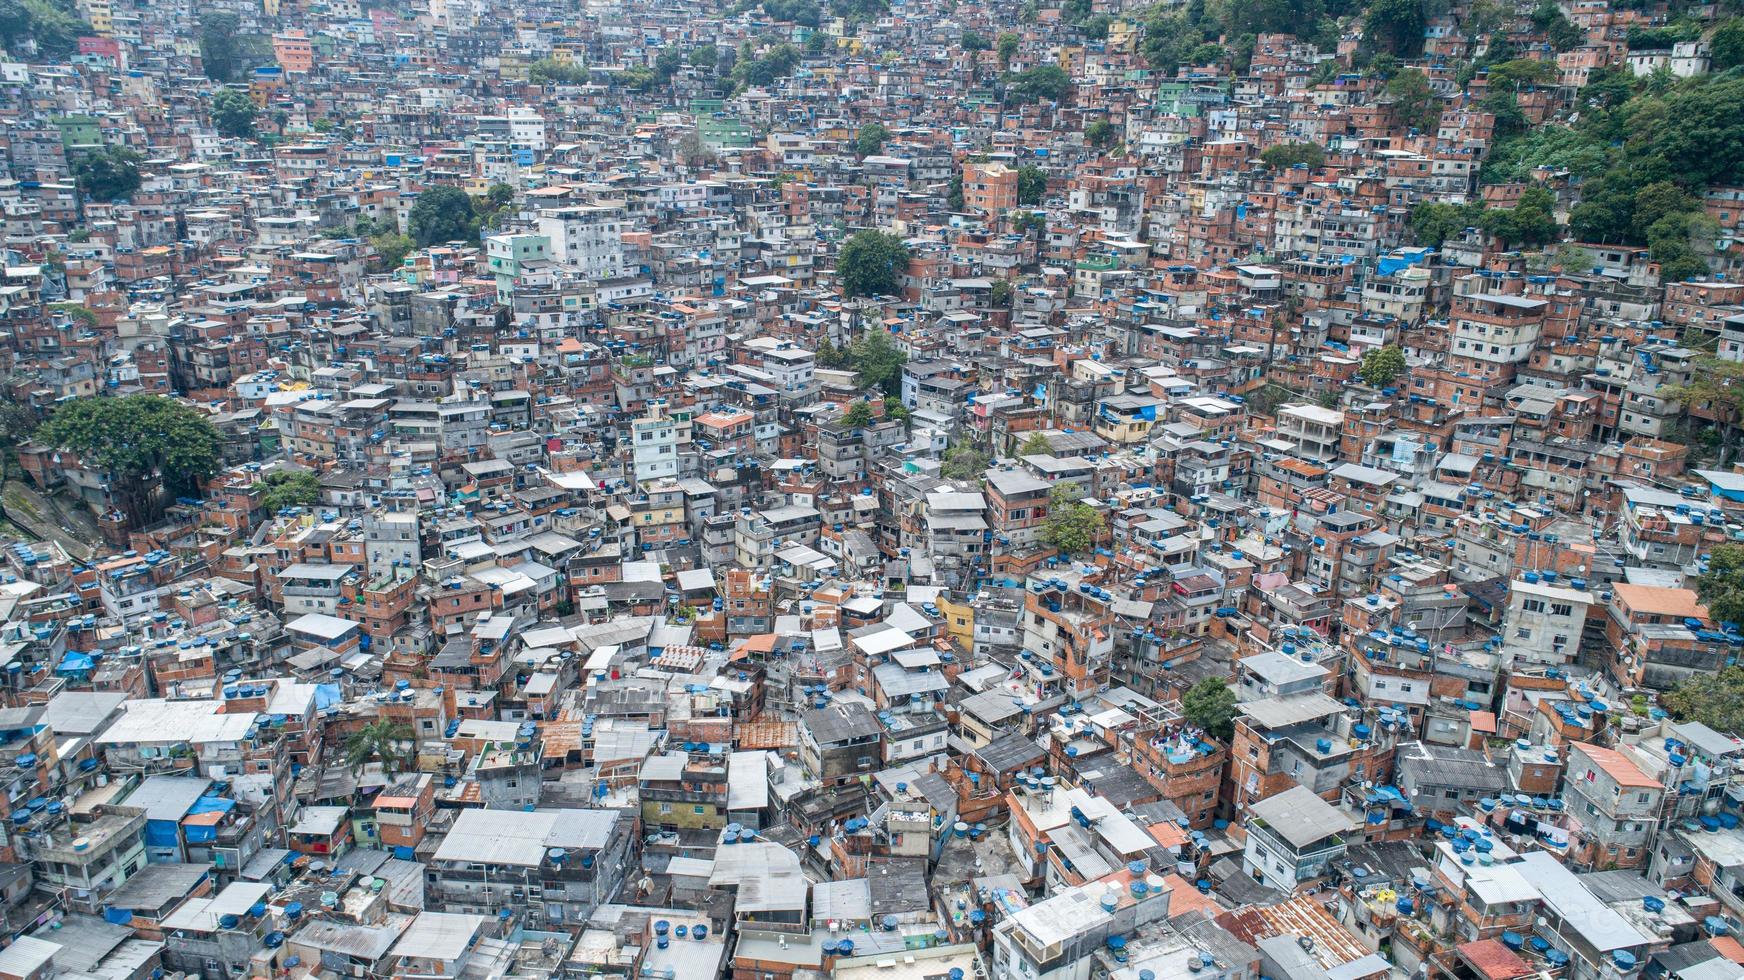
990, 188
293, 52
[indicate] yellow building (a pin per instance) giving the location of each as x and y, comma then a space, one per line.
100, 14
959, 622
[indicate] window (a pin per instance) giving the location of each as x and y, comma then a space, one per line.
1533, 605
665, 808
699, 809
1561, 609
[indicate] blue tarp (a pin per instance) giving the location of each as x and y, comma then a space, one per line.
212, 804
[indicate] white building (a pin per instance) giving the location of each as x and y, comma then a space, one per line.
588, 239
1544, 622
654, 445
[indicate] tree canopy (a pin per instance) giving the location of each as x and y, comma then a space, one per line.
443, 214
233, 113
963, 462
1433, 222
877, 362
107, 173
871, 263
870, 139
858, 416
1381, 366
1072, 525
226, 53
548, 71
386, 740
288, 488
1101, 134
805, 13
1715, 700
1043, 83
53, 26
138, 440
1286, 155
1396, 26
1210, 704
1032, 184
1721, 585
1414, 101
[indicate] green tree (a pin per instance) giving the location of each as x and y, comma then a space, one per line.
1655, 202
963, 462
1396, 26
17, 425
805, 13
1171, 35
1433, 222
1286, 155
870, 139
443, 214
877, 362
1382, 365
894, 409
1521, 72
226, 53
1714, 392
1207, 53
666, 64
954, 192
1006, 47
385, 740
1721, 584
107, 173
1210, 705
1562, 33
288, 488
830, 356
1031, 185
139, 442
999, 294
52, 25
858, 416
975, 41
1072, 525
77, 311
766, 70
1096, 27
704, 56
1048, 83
1505, 106
556, 71
1726, 47
393, 248
1671, 242
1416, 103
1531, 221
1101, 134
233, 113
1036, 445
1715, 700
857, 12
871, 263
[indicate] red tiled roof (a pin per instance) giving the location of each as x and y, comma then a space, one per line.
1493, 960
